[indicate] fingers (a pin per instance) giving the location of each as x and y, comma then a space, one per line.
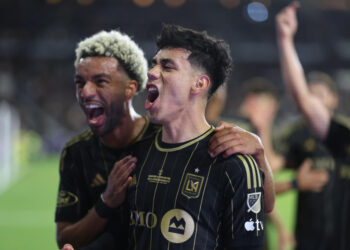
122, 170
319, 179
306, 165
67, 247
311, 179
118, 181
234, 149
222, 140
223, 125
125, 161
222, 136
295, 5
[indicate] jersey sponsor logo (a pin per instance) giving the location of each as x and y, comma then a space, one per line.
143, 219
177, 226
65, 199
252, 225
192, 186
254, 202
98, 181
159, 178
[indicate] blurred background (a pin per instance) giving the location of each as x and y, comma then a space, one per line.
38, 109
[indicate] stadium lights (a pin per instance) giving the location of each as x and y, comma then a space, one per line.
174, 3
53, 1
143, 3
85, 2
230, 3
257, 12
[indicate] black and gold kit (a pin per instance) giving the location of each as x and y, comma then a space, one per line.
338, 142
314, 225
84, 168
181, 198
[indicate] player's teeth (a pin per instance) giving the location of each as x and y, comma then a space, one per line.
152, 88
92, 106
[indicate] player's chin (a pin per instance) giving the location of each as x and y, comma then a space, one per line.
100, 130
152, 116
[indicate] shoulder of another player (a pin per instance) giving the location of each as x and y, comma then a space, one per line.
241, 172
239, 165
341, 120
79, 140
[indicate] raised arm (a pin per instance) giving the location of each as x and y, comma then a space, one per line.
313, 110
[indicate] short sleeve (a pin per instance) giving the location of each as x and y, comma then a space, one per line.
71, 199
338, 138
243, 217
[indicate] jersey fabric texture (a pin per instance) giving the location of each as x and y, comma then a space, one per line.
314, 220
181, 198
338, 142
84, 168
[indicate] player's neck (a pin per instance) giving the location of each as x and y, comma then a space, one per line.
127, 130
185, 127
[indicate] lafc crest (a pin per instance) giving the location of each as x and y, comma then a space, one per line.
254, 202
192, 185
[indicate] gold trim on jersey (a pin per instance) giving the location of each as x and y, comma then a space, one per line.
154, 197
251, 171
137, 186
253, 163
342, 120
182, 177
84, 136
184, 171
183, 145
201, 204
228, 177
64, 153
143, 131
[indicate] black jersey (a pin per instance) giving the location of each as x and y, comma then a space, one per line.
84, 168
314, 225
338, 142
181, 198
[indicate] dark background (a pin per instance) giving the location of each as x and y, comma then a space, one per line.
38, 39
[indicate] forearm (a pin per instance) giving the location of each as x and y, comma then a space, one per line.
82, 232
276, 160
292, 71
313, 110
269, 188
282, 187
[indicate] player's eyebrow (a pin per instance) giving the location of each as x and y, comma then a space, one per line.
164, 61
102, 75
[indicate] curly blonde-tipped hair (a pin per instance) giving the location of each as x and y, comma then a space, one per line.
120, 46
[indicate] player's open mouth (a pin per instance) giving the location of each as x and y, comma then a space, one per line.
95, 113
152, 95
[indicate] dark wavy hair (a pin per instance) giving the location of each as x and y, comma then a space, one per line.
209, 53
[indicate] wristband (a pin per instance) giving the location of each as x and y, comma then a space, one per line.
294, 184
103, 210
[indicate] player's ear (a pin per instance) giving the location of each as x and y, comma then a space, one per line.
131, 89
201, 84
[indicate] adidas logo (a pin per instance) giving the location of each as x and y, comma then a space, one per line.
98, 181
